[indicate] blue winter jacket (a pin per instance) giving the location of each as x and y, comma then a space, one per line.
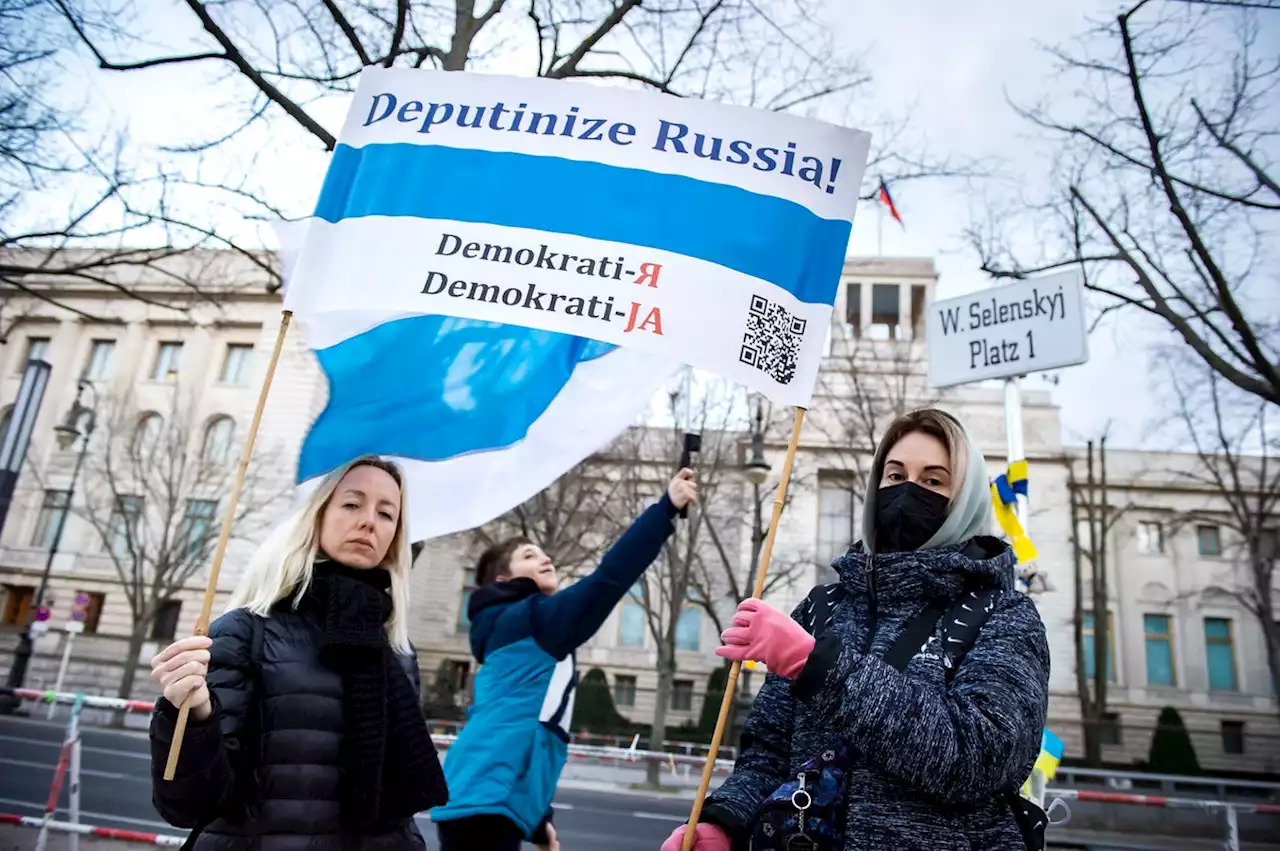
508, 758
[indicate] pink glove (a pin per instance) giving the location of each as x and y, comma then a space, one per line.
762, 633
706, 837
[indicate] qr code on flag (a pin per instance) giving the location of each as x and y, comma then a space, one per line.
771, 341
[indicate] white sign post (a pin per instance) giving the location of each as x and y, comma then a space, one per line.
74, 627
1007, 332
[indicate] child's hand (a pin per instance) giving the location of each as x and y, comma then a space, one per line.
553, 844
683, 489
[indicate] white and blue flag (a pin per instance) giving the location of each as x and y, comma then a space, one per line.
500, 272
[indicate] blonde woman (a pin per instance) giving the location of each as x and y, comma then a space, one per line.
306, 729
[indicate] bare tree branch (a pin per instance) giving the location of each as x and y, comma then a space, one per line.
1164, 190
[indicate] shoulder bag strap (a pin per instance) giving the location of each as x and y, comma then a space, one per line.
913, 637
964, 620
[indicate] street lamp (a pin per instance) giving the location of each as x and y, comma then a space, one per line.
756, 470
67, 433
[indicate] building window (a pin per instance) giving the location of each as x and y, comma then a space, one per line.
165, 625
1208, 540
99, 362
624, 690
631, 620
168, 358
1150, 537
122, 528
17, 605
197, 527
217, 441
682, 695
1109, 729
853, 307
884, 311
53, 512
1089, 668
689, 629
1158, 630
1233, 738
146, 436
1220, 654
836, 521
37, 348
93, 611
457, 675
917, 311
235, 367
464, 621
1269, 544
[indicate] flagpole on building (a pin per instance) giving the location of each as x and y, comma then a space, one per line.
730, 686
879, 229
233, 499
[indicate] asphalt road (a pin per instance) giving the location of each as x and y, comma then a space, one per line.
116, 791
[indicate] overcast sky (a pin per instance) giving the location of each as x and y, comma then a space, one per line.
952, 64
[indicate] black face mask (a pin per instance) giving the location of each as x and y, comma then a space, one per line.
907, 515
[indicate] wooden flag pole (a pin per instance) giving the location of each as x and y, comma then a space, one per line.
730, 686
202, 623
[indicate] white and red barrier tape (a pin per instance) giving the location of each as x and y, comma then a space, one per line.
1131, 799
91, 701
92, 830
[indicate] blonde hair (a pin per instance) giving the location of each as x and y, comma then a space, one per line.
283, 565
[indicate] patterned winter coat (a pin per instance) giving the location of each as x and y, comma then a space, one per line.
933, 757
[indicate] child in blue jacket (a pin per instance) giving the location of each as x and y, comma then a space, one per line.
503, 769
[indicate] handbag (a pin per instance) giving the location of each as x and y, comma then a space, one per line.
807, 813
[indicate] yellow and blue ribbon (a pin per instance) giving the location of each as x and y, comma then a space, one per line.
1051, 750
1004, 496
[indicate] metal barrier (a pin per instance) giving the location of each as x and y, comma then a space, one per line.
69, 767
1128, 780
89, 700
1230, 810
78, 830
68, 771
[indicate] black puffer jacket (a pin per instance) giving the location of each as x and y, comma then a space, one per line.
936, 755
291, 802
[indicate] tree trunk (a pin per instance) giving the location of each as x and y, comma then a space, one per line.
1101, 612
1087, 726
662, 699
1271, 641
136, 639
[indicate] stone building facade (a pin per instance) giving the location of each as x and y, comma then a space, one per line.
1180, 635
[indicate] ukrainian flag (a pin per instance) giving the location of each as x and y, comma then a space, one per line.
1047, 762
1050, 754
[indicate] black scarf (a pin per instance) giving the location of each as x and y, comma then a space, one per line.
389, 767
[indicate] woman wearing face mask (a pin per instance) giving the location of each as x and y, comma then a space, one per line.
914, 758
306, 729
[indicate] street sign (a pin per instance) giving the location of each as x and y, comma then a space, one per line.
75, 627
1029, 326
80, 608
